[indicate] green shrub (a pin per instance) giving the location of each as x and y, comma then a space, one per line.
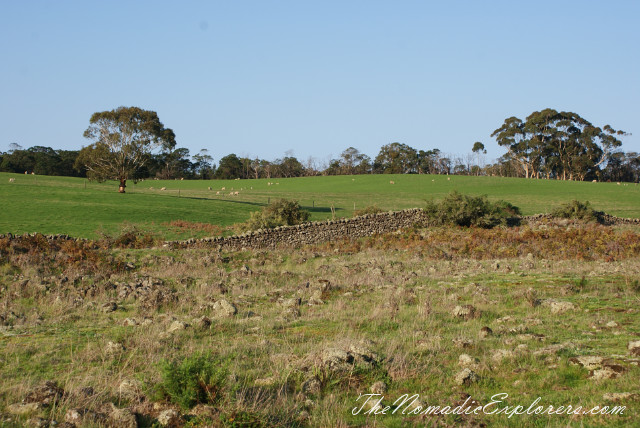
464, 210
576, 210
196, 379
282, 212
371, 209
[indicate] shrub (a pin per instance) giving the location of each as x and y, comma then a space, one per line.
464, 210
282, 212
197, 379
371, 209
576, 210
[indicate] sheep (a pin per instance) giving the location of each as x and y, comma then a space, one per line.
236, 193
224, 188
448, 178
217, 193
392, 182
618, 183
11, 180
209, 188
163, 188
181, 178
594, 181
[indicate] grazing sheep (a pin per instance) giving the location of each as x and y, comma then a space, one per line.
181, 178
33, 173
11, 180
448, 178
618, 183
236, 193
224, 188
25, 173
594, 181
163, 188
209, 188
392, 182
217, 193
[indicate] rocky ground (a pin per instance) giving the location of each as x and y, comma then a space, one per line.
92, 336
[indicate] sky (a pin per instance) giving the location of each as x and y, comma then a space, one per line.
306, 78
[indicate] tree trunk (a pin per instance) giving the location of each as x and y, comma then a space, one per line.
123, 184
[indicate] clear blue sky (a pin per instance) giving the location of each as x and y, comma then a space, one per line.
260, 78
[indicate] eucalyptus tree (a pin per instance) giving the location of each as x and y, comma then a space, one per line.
123, 139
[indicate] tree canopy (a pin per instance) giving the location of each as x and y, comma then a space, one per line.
124, 139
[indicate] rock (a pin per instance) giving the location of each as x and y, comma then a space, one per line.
612, 371
177, 326
588, 362
45, 394
124, 418
203, 323
465, 312
81, 416
130, 322
502, 354
336, 359
634, 347
20, 409
621, 396
169, 418
129, 389
612, 324
268, 381
109, 307
38, 422
462, 342
378, 387
224, 309
290, 303
466, 377
312, 386
558, 306
466, 360
113, 348
552, 349
484, 332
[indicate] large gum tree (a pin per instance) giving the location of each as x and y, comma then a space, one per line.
123, 139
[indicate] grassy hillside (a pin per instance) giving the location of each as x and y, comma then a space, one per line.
81, 208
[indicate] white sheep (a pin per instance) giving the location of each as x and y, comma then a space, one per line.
224, 188
163, 188
11, 180
236, 193
217, 193
392, 182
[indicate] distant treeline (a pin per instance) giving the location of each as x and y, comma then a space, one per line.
394, 158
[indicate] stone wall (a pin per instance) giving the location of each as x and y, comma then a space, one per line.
326, 231
313, 233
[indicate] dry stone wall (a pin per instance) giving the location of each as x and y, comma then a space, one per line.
315, 232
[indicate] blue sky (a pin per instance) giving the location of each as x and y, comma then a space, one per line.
260, 78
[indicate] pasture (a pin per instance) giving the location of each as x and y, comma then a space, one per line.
81, 208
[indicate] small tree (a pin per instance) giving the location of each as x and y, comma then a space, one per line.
124, 139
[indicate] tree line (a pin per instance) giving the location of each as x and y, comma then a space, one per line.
131, 143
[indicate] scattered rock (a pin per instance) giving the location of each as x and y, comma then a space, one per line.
558, 306
45, 394
611, 371
465, 312
634, 347
24, 408
466, 377
466, 360
113, 348
130, 322
462, 342
588, 362
612, 324
169, 418
124, 418
109, 307
38, 423
224, 309
378, 387
81, 416
203, 323
312, 386
552, 349
621, 396
177, 326
129, 389
502, 354
484, 332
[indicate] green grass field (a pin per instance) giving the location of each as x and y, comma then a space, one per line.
81, 208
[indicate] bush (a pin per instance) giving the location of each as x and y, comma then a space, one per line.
577, 210
371, 209
464, 210
197, 379
282, 212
